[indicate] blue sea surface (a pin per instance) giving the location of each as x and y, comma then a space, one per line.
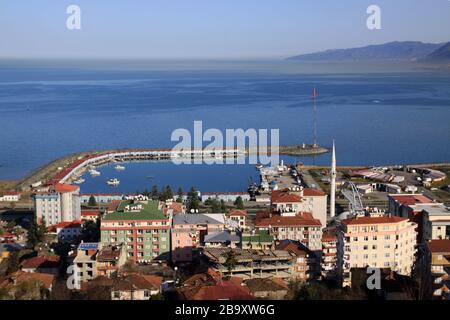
51, 109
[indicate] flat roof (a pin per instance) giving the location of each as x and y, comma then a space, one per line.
150, 211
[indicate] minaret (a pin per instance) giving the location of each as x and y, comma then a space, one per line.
333, 183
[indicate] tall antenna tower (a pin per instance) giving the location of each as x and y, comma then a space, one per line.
314, 96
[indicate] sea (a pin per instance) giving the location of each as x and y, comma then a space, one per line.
377, 114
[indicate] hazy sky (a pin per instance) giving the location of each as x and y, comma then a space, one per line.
211, 28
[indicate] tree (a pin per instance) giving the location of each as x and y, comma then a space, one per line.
230, 260
193, 202
92, 202
180, 195
90, 231
154, 194
166, 194
13, 263
223, 206
12, 205
239, 203
36, 234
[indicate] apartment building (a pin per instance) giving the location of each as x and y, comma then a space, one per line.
288, 202
329, 258
110, 259
432, 218
301, 227
189, 231
307, 263
436, 221
85, 263
61, 203
238, 218
142, 226
440, 267
379, 242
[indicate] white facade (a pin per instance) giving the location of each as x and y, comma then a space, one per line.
58, 205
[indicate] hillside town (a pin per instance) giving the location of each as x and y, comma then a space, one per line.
290, 237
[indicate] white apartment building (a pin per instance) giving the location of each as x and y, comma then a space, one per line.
61, 203
289, 202
377, 242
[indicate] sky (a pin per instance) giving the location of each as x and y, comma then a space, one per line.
211, 29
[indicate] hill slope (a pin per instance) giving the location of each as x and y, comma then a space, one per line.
442, 54
405, 50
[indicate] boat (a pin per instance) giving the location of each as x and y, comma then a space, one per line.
259, 166
79, 181
113, 182
94, 172
119, 167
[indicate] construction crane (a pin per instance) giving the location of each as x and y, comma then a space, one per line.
354, 198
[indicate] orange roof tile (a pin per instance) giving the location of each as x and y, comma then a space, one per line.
373, 220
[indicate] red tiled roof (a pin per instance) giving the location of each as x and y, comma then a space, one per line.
439, 246
292, 246
411, 199
329, 235
225, 290
41, 262
302, 219
90, 213
63, 187
65, 225
20, 276
310, 192
282, 196
373, 220
286, 195
241, 213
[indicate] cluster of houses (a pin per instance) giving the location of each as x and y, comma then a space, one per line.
244, 256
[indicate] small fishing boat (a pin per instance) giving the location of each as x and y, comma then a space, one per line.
113, 182
79, 181
119, 167
94, 172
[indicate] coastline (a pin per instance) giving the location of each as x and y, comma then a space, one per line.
49, 170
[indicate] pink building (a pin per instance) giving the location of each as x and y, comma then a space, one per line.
188, 232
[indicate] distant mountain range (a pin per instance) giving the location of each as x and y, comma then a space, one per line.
398, 50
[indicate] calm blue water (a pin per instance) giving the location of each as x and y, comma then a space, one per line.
376, 116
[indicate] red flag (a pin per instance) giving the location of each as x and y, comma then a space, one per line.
314, 93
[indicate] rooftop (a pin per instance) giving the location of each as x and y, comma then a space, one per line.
261, 237
373, 220
150, 211
302, 219
199, 218
222, 236
218, 255
41, 262
410, 199
439, 246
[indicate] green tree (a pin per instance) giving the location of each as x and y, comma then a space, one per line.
239, 203
180, 195
215, 206
193, 202
230, 260
12, 205
90, 231
223, 206
154, 194
92, 202
36, 234
166, 193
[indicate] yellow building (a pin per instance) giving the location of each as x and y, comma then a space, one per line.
440, 266
377, 242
